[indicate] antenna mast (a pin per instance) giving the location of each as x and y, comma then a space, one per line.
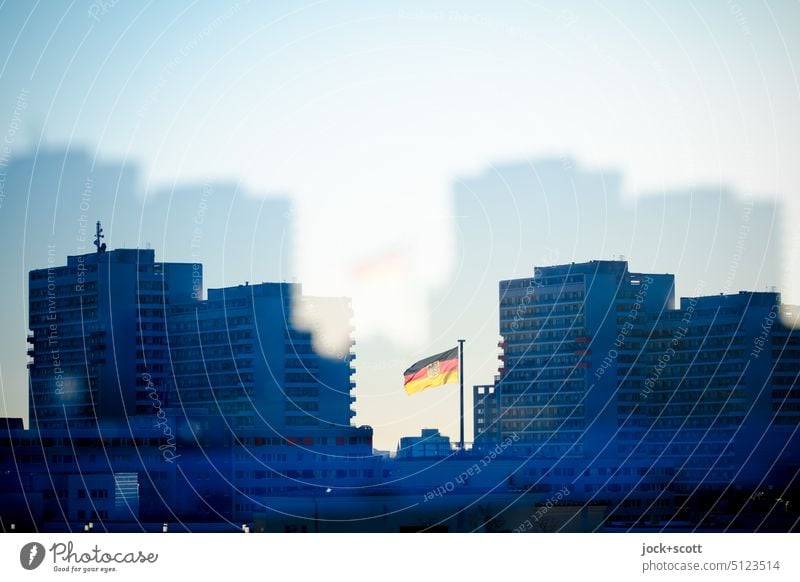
101, 247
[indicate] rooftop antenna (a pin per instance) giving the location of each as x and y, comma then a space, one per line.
101, 247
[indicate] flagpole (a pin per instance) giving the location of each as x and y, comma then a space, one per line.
461, 387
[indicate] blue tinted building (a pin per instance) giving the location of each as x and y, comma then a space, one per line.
557, 387
711, 388
152, 405
242, 355
98, 334
606, 381
430, 443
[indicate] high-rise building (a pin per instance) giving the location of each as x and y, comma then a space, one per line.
710, 388
556, 389
98, 334
149, 403
241, 355
598, 363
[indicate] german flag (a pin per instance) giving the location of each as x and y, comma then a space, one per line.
433, 371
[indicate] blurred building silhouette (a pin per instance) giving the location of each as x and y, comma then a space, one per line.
55, 193
546, 211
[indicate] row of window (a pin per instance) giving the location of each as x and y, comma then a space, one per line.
262, 474
93, 493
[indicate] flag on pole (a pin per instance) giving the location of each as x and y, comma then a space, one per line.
433, 371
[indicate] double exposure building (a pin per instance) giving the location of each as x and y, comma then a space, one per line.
601, 374
151, 404
98, 334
